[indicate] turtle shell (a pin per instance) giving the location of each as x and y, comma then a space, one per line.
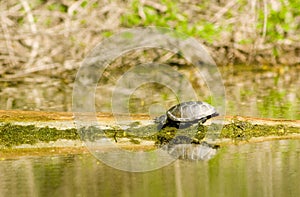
191, 111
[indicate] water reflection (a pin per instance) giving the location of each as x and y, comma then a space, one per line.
260, 169
263, 93
271, 93
36, 94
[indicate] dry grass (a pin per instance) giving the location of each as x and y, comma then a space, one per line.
54, 36
38, 37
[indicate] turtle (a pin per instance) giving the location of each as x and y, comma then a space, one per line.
185, 114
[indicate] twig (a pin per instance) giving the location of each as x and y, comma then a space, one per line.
157, 6
75, 6
8, 41
23, 73
219, 14
265, 21
35, 44
141, 10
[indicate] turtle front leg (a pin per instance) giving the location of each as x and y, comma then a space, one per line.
202, 120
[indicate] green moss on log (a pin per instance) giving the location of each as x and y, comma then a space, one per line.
14, 135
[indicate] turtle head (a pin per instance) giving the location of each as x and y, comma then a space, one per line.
161, 119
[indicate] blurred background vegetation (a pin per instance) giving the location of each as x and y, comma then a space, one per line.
43, 42
39, 35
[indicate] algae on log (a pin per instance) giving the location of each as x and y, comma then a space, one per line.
14, 135
25, 127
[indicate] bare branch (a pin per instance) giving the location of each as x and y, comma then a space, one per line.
33, 28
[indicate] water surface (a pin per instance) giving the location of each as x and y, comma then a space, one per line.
250, 91
258, 169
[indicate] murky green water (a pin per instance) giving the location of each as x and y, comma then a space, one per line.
250, 91
259, 169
